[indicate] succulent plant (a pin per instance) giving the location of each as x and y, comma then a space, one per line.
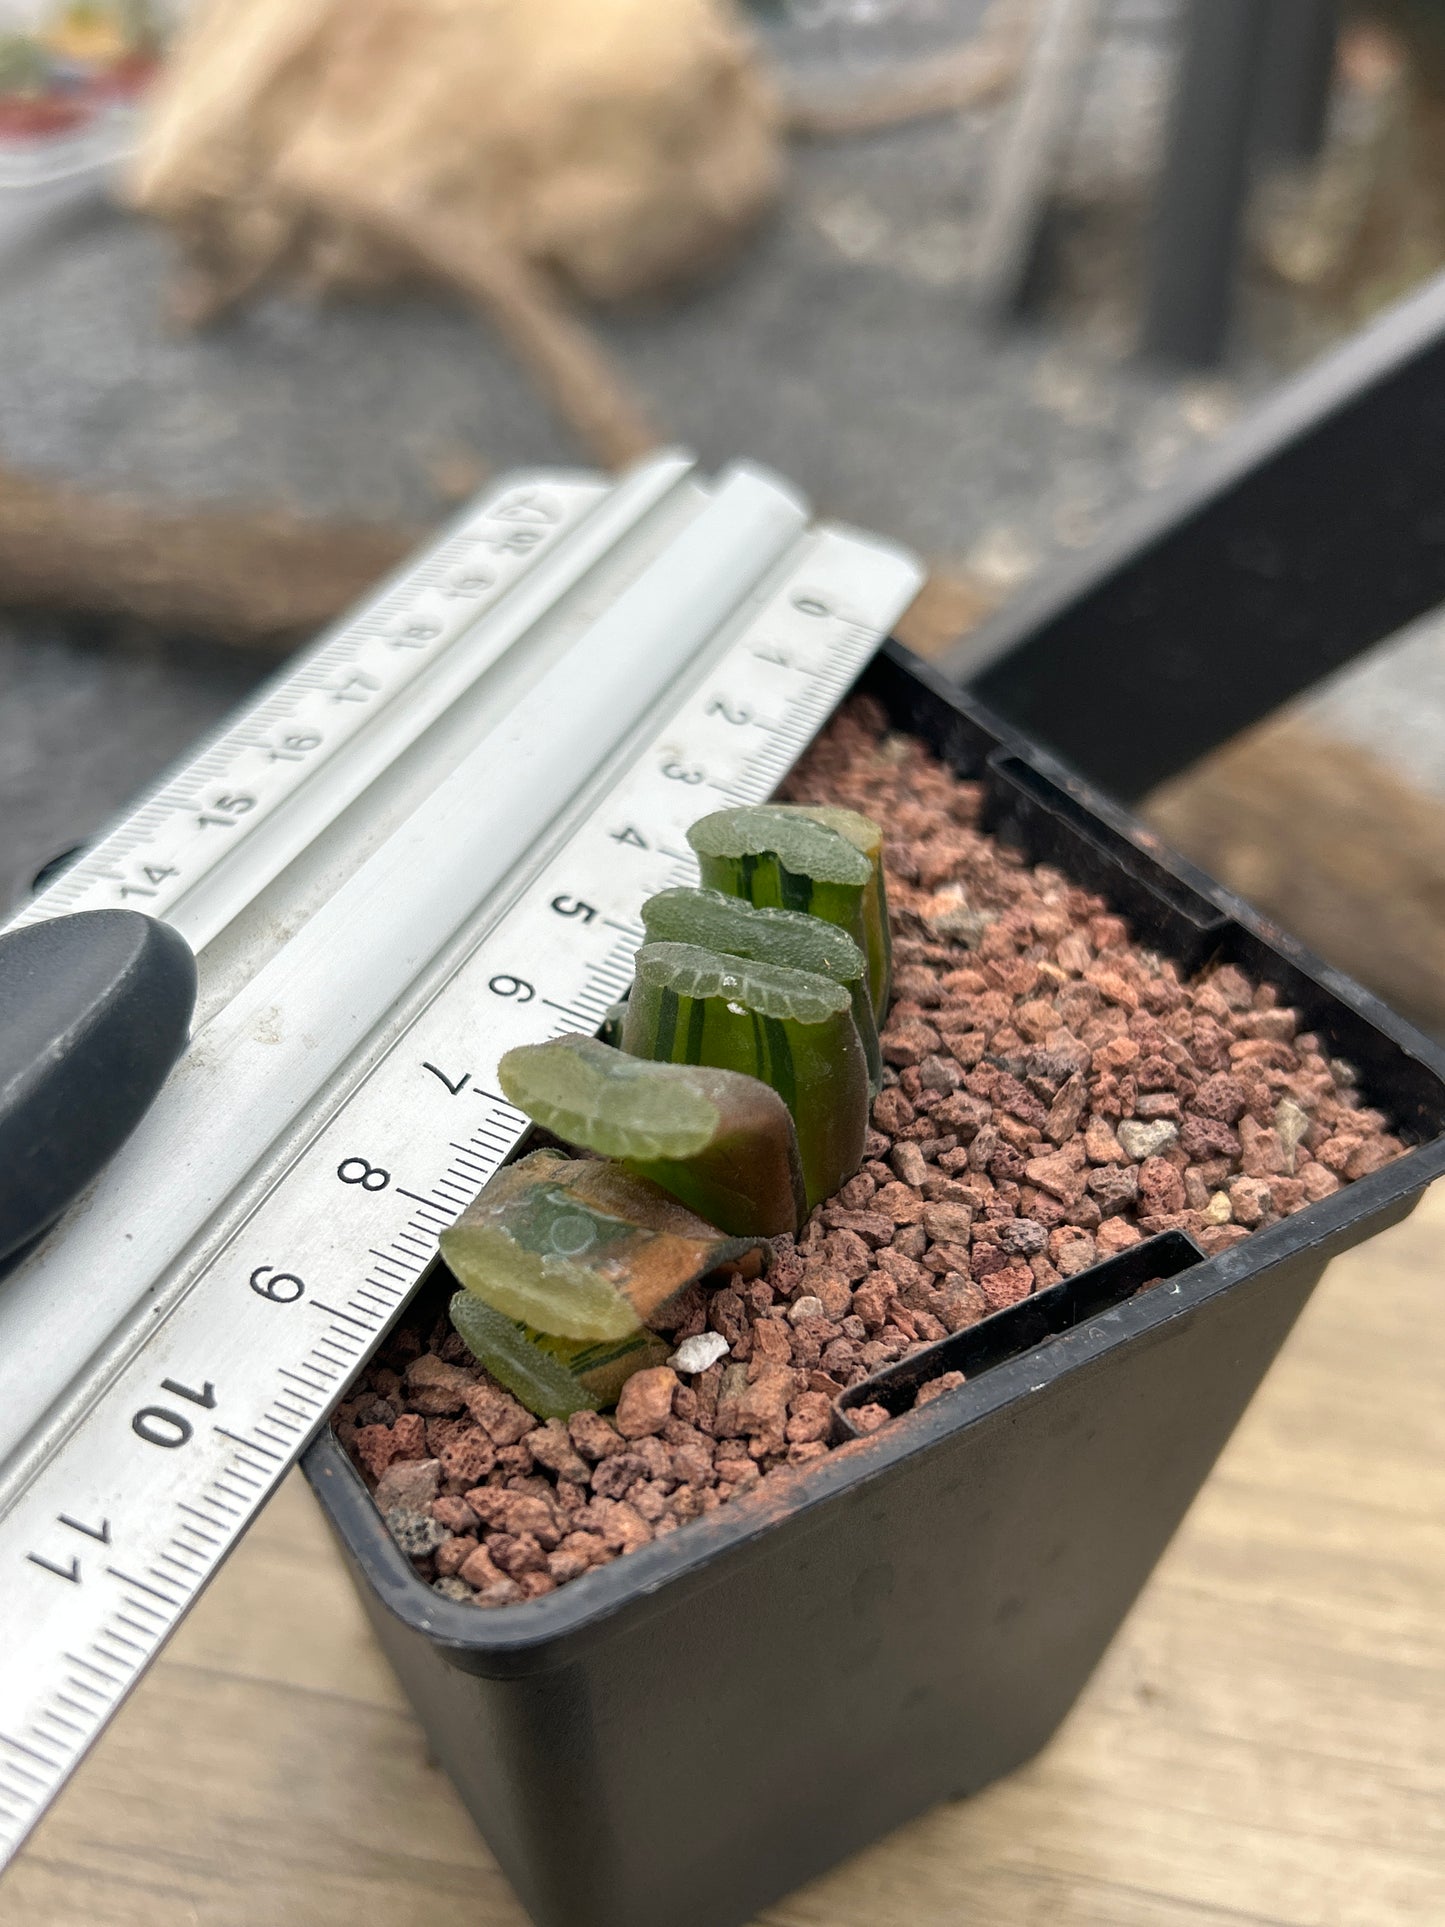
580, 1248
781, 857
553, 1377
564, 1263
735, 928
737, 1102
866, 836
613, 1018
721, 1142
793, 1029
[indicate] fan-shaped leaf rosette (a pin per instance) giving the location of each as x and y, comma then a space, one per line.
714, 921
784, 857
793, 1029
722, 1143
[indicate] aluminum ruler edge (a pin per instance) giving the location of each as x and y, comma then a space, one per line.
261, 1064
126, 1521
347, 693
340, 814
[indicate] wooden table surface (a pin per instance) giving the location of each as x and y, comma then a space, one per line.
1264, 1743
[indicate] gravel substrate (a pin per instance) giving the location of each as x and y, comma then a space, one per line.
1054, 1095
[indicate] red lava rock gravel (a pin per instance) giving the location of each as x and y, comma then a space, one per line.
1054, 1094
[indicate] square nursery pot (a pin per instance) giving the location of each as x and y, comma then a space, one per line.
695, 1729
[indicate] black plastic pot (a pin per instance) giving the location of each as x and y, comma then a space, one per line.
693, 1730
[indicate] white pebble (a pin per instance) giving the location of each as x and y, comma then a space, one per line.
1292, 1122
1142, 1140
806, 1307
695, 1354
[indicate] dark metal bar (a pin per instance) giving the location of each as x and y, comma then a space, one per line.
1297, 63
1314, 532
1198, 215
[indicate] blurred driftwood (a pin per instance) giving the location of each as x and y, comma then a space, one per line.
246, 579
605, 148
621, 144
264, 580
570, 366
981, 70
1332, 844
550, 149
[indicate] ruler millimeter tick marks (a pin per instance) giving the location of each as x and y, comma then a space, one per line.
165, 851
738, 630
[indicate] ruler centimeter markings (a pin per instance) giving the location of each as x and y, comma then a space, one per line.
318, 709
104, 1550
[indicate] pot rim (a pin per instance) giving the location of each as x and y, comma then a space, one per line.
656, 1577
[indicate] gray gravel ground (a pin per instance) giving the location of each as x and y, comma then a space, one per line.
841, 349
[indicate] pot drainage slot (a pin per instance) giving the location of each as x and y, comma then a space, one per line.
1019, 1328
1031, 811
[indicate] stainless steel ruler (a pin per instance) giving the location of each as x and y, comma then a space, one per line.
427, 841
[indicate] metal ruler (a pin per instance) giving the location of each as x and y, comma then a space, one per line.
427, 841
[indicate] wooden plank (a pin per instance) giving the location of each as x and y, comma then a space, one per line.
1265, 1742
